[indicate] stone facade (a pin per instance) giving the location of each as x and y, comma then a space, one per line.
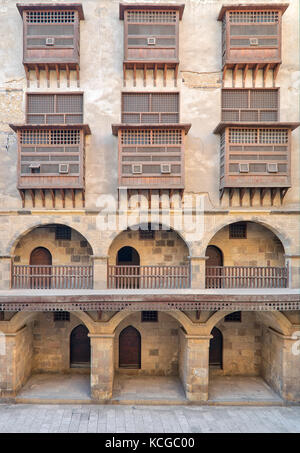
179, 343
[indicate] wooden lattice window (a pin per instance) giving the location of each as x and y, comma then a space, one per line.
246, 17
234, 317
54, 108
250, 105
150, 108
151, 137
61, 316
63, 232
238, 230
50, 137
1, 315
263, 136
149, 316
50, 17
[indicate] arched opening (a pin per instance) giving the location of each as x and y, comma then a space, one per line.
128, 268
213, 267
80, 347
245, 255
55, 256
152, 368
216, 349
128, 256
130, 348
40, 268
160, 263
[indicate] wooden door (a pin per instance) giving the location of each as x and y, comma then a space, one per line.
40, 276
216, 348
215, 257
80, 348
130, 348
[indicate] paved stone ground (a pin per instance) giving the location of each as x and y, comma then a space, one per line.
26, 418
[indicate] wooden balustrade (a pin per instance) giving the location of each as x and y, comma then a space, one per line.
246, 277
52, 277
148, 277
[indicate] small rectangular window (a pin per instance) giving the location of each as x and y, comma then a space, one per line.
238, 230
61, 316
145, 232
234, 317
63, 233
149, 316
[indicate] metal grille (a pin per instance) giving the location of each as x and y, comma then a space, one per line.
151, 30
61, 316
149, 316
268, 115
167, 102
133, 102
234, 317
150, 118
266, 99
50, 30
249, 115
238, 230
242, 135
273, 136
63, 232
50, 17
234, 99
67, 103
253, 17
253, 30
50, 137
37, 103
151, 16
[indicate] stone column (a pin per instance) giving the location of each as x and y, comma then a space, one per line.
293, 263
102, 366
197, 264
5, 271
15, 360
281, 363
194, 365
100, 271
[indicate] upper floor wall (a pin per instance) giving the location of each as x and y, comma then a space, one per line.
101, 74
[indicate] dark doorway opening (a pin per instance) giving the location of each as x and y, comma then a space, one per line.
216, 349
130, 348
130, 273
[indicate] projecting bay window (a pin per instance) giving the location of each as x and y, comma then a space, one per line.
54, 108
250, 105
51, 37
151, 35
251, 34
151, 157
51, 158
255, 157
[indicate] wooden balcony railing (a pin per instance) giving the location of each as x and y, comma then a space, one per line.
246, 277
148, 277
52, 277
